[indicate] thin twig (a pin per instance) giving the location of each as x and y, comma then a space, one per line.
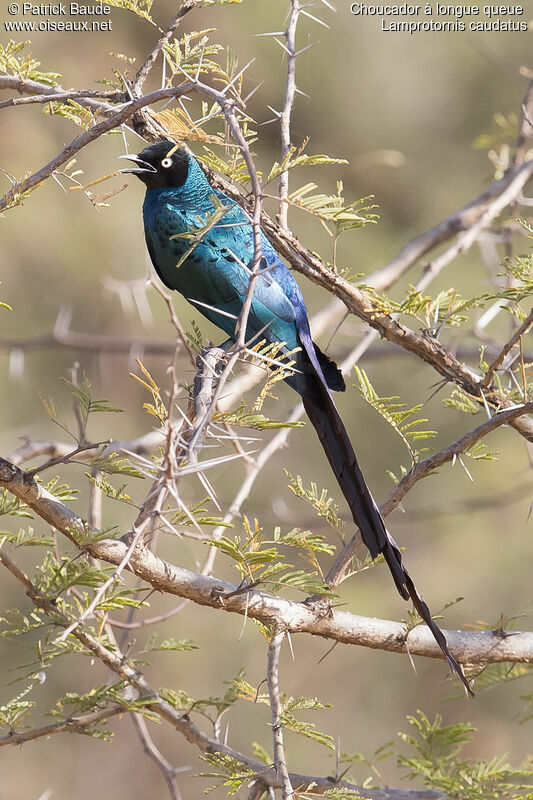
285, 116
458, 221
515, 339
77, 724
421, 470
150, 60
88, 136
153, 752
280, 762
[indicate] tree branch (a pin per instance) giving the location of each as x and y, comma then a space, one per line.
515, 339
153, 752
150, 60
118, 663
421, 470
274, 650
78, 724
112, 121
466, 646
461, 220
285, 117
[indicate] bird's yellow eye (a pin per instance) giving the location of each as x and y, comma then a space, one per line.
166, 163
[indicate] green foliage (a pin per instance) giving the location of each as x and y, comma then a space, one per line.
309, 542
114, 464
181, 645
16, 710
480, 452
181, 701
141, 8
323, 504
261, 754
446, 309
13, 506
198, 513
460, 401
70, 110
504, 129
25, 537
397, 415
289, 706
110, 491
260, 564
192, 54
195, 337
83, 396
157, 407
18, 623
521, 268
227, 772
16, 196
232, 163
494, 675
295, 158
54, 576
436, 762
246, 419
307, 729
331, 209
279, 364
13, 62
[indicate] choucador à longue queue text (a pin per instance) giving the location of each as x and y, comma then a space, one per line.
471, 17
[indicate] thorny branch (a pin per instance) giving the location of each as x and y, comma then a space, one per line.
150, 60
285, 117
118, 663
419, 470
280, 762
467, 646
153, 752
129, 553
77, 724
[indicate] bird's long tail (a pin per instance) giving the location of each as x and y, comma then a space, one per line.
325, 418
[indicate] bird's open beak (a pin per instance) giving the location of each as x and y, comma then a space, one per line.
143, 167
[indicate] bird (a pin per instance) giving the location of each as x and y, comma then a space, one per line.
212, 270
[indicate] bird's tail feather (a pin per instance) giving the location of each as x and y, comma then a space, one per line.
326, 420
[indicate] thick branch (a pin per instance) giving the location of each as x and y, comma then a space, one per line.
118, 663
357, 301
466, 646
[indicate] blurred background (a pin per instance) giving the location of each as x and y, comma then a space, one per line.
405, 111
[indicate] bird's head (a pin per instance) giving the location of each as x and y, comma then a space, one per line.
160, 165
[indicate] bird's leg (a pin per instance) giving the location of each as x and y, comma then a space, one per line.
209, 365
227, 345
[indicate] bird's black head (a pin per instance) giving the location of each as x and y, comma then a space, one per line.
160, 165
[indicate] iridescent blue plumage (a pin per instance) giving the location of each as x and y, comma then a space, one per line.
214, 272
206, 255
